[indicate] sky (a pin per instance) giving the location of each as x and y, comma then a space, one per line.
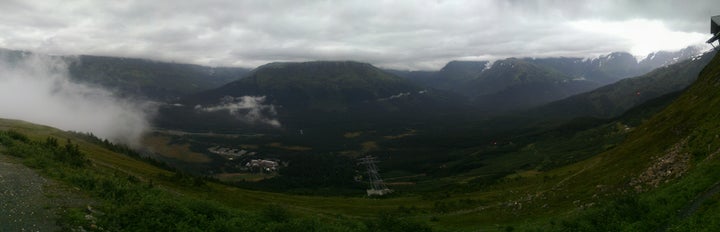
412, 34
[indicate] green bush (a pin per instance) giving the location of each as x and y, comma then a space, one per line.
391, 223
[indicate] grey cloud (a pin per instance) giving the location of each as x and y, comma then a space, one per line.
37, 89
396, 34
689, 16
249, 109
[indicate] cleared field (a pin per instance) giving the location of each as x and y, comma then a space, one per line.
161, 145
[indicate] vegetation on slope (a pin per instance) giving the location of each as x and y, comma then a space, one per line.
150, 79
314, 95
322, 85
666, 175
134, 196
140, 78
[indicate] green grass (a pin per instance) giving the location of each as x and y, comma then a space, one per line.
442, 211
134, 193
695, 118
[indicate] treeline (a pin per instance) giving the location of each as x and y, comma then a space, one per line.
123, 149
180, 176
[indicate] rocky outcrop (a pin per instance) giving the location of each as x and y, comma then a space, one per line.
673, 164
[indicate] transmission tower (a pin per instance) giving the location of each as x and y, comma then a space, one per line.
377, 186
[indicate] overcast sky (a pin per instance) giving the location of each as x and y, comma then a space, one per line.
409, 34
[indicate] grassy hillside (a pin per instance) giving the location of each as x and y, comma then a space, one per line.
131, 194
134, 195
665, 176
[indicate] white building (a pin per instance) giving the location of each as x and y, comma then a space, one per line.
262, 165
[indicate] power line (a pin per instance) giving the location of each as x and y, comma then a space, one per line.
377, 186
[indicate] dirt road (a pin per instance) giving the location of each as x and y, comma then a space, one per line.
28, 202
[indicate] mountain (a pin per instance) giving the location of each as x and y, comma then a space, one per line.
311, 93
323, 86
664, 58
139, 78
507, 73
448, 77
604, 69
655, 168
514, 83
502, 85
161, 81
614, 99
617, 65
419, 77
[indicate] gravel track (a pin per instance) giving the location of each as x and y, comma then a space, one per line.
28, 201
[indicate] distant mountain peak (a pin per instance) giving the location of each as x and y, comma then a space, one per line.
465, 64
664, 58
320, 64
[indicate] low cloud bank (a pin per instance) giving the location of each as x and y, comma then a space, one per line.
400, 95
37, 88
249, 109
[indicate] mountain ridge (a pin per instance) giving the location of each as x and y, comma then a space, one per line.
139, 78
611, 100
530, 82
303, 93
